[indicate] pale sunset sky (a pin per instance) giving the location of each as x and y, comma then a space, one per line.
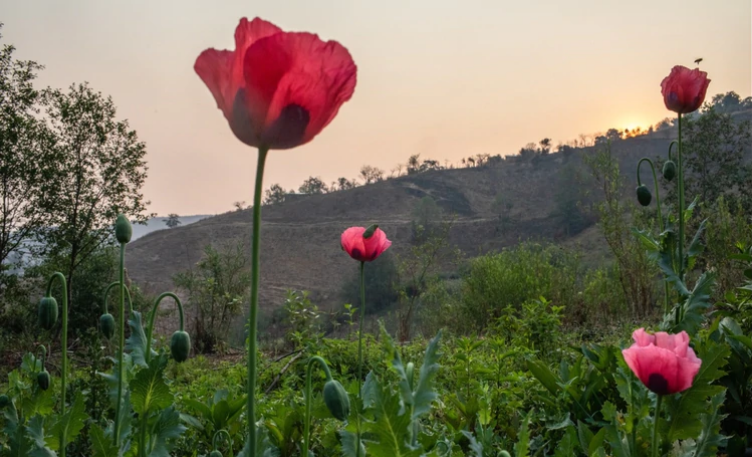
445, 79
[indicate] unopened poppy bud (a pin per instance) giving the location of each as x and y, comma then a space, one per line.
215, 454
669, 170
47, 312
410, 372
644, 196
43, 379
180, 346
123, 229
336, 399
107, 325
4, 401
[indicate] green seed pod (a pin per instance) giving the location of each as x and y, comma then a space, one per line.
336, 399
215, 454
410, 372
123, 229
43, 379
669, 170
644, 196
47, 312
180, 346
4, 401
504, 454
107, 325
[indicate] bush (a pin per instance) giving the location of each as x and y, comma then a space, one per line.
514, 277
381, 276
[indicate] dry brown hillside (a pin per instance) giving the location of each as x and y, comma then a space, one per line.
300, 238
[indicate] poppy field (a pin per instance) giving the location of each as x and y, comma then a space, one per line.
675, 381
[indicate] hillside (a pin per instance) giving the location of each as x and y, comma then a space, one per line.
300, 238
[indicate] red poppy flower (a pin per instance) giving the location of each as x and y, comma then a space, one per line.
664, 363
278, 89
684, 89
361, 248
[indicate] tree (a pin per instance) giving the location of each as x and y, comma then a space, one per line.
27, 167
714, 157
216, 290
274, 194
502, 207
413, 164
172, 220
313, 185
371, 174
545, 146
344, 184
426, 217
103, 171
239, 205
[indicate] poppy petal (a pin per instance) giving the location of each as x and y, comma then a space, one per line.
213, 67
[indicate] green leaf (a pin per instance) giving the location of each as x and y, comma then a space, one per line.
522, 447
544, 376
389, 431
101, 445
566, 446
167, 427
619, 446
69, 425
476, 448
36, 432
148, 389
710, 438
424, 394
136, 342
696, 304
687, 409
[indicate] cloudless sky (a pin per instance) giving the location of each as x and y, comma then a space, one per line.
445, 79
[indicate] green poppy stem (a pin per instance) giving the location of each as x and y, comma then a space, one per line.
121, 345
107, 290
680, 165
308, 395
64, 347
219, 434
44, 355
655, 425
660, 214
360, 351
253, 314
153, 317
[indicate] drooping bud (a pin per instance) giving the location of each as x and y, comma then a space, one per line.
669, 170
336, 399
47, 312
4, 401
370, 231
107, 325
644, 196
123, 229
215, 454
180, 346
43, 379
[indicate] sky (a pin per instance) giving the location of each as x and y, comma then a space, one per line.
443, 79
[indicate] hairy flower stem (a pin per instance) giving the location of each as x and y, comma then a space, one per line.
253, 314
360, 350
655, 426
308, 395
121, 346
63, 348
680, 176
660, 214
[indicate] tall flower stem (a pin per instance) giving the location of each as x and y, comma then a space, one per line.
153, 317
252, 316
63, 348
107, 294
655, 425
360, 351
660, 214
121, 344
308, 395
680, 165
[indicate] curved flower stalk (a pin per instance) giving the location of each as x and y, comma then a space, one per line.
215, 451
43, 377
46, 318
277, 90
180, 344
106, 320
335, 397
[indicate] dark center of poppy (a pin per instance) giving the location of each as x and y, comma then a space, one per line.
356, 253
658, 384
288, 130
241, 122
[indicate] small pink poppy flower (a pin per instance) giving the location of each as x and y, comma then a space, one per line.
664, 363
361, 248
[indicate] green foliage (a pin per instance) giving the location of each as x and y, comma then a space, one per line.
217, 288
496, 282
381, 275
